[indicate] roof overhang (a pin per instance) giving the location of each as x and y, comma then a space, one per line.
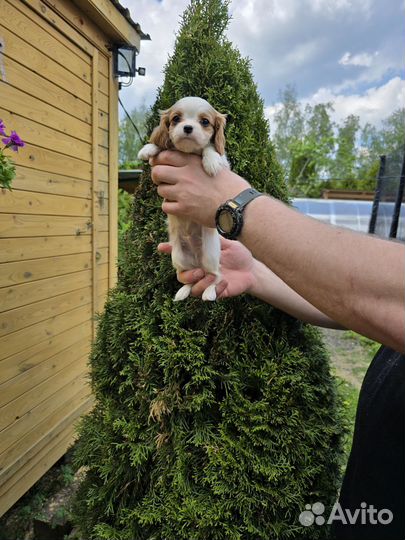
114, 20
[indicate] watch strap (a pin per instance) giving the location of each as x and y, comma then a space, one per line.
244, 198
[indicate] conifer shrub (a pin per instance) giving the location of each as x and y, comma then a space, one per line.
213, 420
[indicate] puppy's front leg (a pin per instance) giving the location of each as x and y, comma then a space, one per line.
148, 151
213, 162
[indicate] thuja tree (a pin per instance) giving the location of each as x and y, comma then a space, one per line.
212, 420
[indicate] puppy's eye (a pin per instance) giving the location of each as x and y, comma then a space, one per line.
204, 122
176, 119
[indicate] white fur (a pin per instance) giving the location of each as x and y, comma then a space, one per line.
193, 246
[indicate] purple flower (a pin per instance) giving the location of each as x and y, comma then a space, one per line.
2, 128
13, 141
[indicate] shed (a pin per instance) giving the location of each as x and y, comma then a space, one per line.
58, 227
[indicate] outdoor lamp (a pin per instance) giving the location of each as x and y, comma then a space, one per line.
124, 61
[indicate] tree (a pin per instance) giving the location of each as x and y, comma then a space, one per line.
344, 165
212, 421
129, 141
289, 121
312, 155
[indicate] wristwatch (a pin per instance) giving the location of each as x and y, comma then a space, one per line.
229, 216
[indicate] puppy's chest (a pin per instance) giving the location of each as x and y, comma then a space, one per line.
189, 237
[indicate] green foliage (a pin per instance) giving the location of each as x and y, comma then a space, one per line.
129, 142
7, 171
124, 220
318, 154
213, 421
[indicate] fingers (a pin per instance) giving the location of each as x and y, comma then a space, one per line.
164, 247
164, 174
190, 276
173, 158
171, 207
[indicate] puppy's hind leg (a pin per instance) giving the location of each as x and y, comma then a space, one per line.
211, 251
180, 263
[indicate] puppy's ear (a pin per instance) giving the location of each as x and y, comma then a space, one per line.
219, 137
160, 135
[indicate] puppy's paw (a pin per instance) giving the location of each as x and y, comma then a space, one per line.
212, 163
210, 293
183, 293
148, 151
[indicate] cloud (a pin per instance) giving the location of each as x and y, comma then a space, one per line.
347, 49
376, 104
361, 59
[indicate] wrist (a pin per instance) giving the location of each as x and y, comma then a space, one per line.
258, 272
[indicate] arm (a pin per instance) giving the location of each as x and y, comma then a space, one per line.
354, 279
271, 289
243, 274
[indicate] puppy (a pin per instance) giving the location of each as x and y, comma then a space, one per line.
193, 126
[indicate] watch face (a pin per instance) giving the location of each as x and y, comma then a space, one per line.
225, 221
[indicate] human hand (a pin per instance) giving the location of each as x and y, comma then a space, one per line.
237, 269
188, 190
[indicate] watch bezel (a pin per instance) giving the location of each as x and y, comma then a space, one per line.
237, 220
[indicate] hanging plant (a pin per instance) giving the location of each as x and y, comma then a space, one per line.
7, 165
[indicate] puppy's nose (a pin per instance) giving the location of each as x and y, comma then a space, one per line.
188, 129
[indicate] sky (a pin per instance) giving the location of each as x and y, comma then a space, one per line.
350, 52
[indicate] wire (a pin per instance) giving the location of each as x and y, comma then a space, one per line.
130, 119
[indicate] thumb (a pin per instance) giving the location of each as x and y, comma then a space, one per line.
165, 247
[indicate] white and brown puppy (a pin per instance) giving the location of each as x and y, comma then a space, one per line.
193, 126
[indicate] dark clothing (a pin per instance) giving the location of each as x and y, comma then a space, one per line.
375, 472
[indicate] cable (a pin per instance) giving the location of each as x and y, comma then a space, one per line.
130, 119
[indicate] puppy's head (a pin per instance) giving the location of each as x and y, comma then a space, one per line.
189, 126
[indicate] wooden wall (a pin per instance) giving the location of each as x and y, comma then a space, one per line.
58, 231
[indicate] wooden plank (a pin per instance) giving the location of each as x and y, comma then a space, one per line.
61, 25
35, 376
103, 120
49, 161
47, 138
43, 65
24, 316
13, 100
95, 205
103, 138
18, 341
25, 271
101, 241
50, 25
26, 447
20, 249
103, 155
103, 223
23, 479
32, 470
34, 354
34, 416
113, 180
39, 34
110, 20
28, 202
79, 21
103, 172
62, 99
17, 225
57, 184
21, 406
102, 85
103, 98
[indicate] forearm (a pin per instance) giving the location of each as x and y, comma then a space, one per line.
355, 279
272, 290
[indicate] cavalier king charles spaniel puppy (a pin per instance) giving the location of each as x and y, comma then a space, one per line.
193, 126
